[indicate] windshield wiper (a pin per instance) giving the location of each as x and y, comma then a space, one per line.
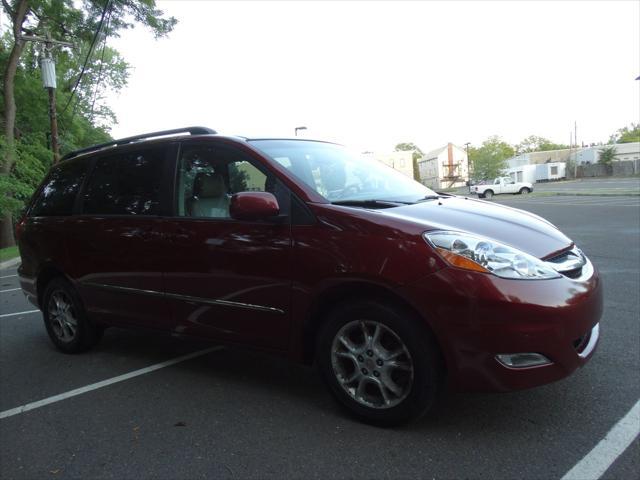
371, 203
429, 197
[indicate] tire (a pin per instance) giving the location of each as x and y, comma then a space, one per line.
359, 373
65, 318
524, 191
488, 194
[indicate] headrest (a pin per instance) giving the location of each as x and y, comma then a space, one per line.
209, 185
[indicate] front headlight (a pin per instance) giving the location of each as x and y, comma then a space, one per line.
470, 252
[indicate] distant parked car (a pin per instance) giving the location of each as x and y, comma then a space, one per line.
501, 185
301, 248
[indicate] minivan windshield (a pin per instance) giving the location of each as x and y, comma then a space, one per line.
342, 176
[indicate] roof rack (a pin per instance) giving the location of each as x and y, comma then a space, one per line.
123, 141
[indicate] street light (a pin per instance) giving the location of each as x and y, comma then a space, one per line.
299, 128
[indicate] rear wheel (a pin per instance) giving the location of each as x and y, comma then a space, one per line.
379, 362
65, 319
524, 191
488, 194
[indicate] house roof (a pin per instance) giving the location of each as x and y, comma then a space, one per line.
434, 153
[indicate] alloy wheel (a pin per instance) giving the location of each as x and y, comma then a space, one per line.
62, 316
372, 364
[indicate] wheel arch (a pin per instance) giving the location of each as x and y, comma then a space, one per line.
46, 274
355, 290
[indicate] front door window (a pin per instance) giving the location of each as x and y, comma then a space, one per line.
209, 175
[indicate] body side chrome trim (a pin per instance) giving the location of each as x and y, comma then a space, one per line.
186, 298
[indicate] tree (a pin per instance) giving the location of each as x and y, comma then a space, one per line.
607, 155
626, 134
534, 143
489, 160
417, 155
80, 74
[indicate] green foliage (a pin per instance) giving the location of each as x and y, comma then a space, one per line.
626, 134
417, 155
84, 118
489, 160
607, 155
534, 143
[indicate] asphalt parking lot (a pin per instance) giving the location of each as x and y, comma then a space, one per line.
233, 414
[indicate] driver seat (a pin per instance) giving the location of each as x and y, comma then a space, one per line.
210, 197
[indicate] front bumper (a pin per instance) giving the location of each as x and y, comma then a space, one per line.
477, 316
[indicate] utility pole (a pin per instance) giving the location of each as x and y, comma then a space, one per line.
466, 147
48, 68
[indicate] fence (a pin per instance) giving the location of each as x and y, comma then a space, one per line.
620, 169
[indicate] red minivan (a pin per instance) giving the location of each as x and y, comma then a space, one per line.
305, 249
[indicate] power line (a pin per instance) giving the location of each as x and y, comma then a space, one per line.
104, 47
86, 60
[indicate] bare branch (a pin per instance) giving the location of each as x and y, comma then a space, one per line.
7, 7
22, 10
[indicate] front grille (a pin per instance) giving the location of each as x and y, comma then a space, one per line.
569, 263
575, 273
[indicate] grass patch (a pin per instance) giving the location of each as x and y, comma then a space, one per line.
9, 253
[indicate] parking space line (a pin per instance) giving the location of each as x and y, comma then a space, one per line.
104, 383
598, 460
18, 313
10, 290
8, 276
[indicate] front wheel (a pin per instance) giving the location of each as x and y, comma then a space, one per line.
379, 362
66, 321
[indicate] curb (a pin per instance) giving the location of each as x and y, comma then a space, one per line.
569, 194
10, 263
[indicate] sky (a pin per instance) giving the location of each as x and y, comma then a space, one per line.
371, 74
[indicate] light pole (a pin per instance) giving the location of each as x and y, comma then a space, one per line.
298, 128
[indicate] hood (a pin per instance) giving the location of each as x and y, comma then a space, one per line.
523, 230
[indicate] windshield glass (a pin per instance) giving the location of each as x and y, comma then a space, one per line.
340, 175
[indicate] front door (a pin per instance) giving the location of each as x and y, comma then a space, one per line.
224, 278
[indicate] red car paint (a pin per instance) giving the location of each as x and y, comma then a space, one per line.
266, 284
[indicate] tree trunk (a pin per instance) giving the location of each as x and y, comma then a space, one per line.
17, 17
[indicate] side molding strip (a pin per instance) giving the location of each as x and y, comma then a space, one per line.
186, 298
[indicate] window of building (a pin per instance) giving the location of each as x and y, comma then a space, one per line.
59, 192
126, 184
554, 170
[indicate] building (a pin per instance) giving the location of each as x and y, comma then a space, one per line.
536, 158
445, 167
401, 161
582, 156
591, 155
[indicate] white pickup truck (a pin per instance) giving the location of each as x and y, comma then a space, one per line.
501, 185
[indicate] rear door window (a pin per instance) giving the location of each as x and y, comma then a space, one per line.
58, 194
126, 184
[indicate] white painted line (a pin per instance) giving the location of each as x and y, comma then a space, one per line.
104, 383
8, 276
18, 313
598, 460
10, 290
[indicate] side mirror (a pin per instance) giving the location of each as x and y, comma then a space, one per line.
253, 206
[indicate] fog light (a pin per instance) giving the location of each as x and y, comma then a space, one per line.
522, 360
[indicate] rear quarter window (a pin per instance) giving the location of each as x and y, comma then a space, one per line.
126, 184
58, 194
